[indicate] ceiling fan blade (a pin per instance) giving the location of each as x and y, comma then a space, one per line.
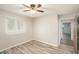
32, 5
39, 5
26, 10
25, 5
40, 11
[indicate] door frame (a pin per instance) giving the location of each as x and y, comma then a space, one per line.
64, 20
74, 32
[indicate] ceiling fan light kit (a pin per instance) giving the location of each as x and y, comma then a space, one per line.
33, 8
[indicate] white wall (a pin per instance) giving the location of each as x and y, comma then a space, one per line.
11, 40
45, 29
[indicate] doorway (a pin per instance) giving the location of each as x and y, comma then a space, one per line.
66, 34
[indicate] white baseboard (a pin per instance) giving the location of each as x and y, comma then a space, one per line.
28, 41
15, 45
48, 43
52, 44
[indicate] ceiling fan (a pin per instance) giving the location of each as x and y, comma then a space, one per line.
33, 7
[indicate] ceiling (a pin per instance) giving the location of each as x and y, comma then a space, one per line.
60, 9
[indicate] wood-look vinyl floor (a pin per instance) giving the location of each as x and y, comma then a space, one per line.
36, 47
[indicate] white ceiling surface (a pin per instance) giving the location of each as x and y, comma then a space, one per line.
48, 8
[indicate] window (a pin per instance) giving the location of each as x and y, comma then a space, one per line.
14, 26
